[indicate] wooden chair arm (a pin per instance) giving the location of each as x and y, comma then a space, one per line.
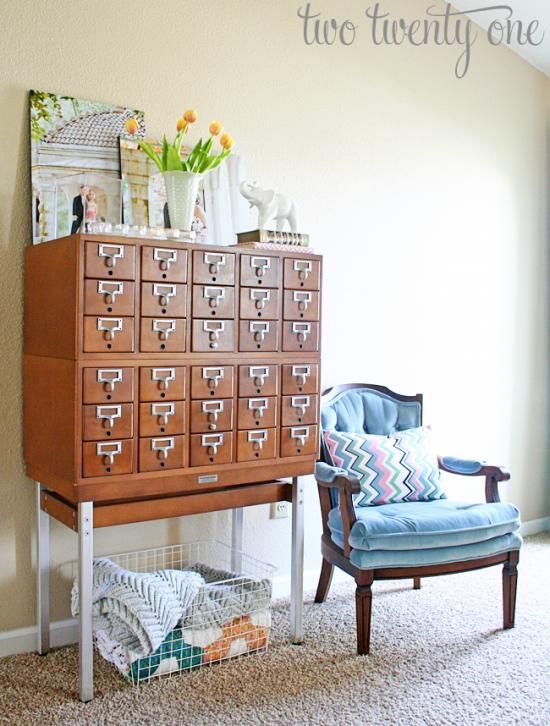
347, 486
493, 474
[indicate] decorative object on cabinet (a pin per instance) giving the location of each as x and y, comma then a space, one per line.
407, 539
269, 236
271, 207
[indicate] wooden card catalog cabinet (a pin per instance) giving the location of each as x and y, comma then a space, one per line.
159, 369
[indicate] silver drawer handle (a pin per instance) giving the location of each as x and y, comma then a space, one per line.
214, 260
301, 402
165, 257
164, 375
260, 264
214, 294
110, 326
164, 328
212, 409
257, 439
260, 330
260, 297
109, 378
259, 374
165, 292
302, 330
163, 410
163, 446
212, 375
303, 268
212, 441
301, 373
108, 413
109, 450
302, 298
258, 405
300, 434
111, 253
110, 289
214, 328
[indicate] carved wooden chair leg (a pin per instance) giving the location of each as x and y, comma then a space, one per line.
416, 583
509, 587
363, 603
325, 580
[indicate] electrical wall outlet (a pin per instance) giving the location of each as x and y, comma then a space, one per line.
279, 510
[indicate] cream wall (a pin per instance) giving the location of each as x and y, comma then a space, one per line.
427, 196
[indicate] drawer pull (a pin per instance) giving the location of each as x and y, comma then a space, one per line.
111, 253
260, 264
212, 409
165, 257
302, 330
109, 450
303, 268
260, 297
164, 328
302, 298
165, 292
212, 375
257, 439
164, 375
300, 434
109, 378
213, 328
110, 289
215, 261
212, 441
108, 413
214, 294
258, 405
259, 374
162, 410
110, 326
301, 402
301, 373
162, 446
259, 329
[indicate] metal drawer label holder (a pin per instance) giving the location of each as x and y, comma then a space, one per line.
301, 434
215, 261
164, 375
162, 446
164, 328
214, 328
110, 289
260, 330
212, 409
214, 295
301, 402
258, 405
212, 441
257, 439
109, 378
110, 326
259, 374
303, 268
111, 253
260, 264
301, 373
165, 257
108, 414
109, 450
260, 297
302, 330
165, 292
162, 410
302, 298
212, 375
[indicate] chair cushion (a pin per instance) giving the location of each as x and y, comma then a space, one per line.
399, 467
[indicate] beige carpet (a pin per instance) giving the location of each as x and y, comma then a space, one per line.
438, 656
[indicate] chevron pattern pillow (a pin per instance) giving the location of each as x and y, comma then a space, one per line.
395, 468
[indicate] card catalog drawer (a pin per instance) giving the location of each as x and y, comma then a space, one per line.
157, 454
162, 335
256, 445
106, 260
213, 267
258, 335
211, 301
298, 441
162, 264
211, 415
257, 303
258, 380
259, 271
257, 412
162, 383
296, 410
163, 299
108, 334
213, 336
107, 458
207, 449
162, 418
108, 297
102, 385
107, 421
300, 337
300, 378
302, 274
210, 381
301, 305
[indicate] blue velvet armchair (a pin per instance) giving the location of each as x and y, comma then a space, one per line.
412, 539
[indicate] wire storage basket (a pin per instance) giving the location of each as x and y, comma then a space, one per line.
226, 612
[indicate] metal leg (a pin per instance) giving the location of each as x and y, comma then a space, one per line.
85, 573
297, 566
42, 575
237, 540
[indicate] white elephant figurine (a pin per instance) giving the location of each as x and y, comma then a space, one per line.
271, 206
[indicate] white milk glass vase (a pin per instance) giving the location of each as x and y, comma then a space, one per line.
181, 194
